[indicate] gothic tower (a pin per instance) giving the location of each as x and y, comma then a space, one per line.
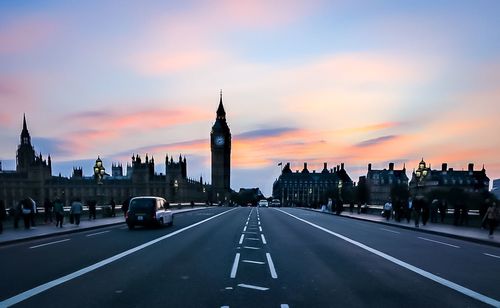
25, 152
220, 144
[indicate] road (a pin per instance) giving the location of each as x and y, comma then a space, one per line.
251, 257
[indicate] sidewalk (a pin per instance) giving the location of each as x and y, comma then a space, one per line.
473, 234
41, 230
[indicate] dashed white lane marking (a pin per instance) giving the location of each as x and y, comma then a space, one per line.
245, 229
487, 254
93, 234
438, 242
263, 239
224, 306
260, 229
235, 266
480, 297
284, 306
51, 284
123, 228
252, 239
51, 243
390, 231
271, 266
253, 262
250, 247
249, 286
259, 223
241, 239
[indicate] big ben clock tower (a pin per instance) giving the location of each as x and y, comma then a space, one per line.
220, 144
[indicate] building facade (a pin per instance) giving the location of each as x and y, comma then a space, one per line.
307, 188
381, 182
496, 188
220, 146
33, 178
426, 181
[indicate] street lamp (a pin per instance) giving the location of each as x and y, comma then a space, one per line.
99, 170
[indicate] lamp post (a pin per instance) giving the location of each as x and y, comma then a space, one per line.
99, 170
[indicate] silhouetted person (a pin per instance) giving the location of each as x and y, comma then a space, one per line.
33, 211
59, 211
3, 214
92, 209
113, 206
425, 211
192, 203
48, 207
434, 210
76, 211
442, 210
417, 208
492, 216
464, 214
27, 212
408, 210
17, 213
125, 205
482, 211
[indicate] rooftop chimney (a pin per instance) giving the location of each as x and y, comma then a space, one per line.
342, 166
369, 167
324, 166
444, 166
471, 167
391, 166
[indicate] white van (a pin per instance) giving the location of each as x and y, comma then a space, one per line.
263, 203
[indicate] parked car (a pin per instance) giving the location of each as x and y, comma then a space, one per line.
148, 211
263, 203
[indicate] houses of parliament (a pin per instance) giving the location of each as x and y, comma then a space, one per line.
33, 175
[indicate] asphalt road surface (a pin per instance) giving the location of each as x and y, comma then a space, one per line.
250, 257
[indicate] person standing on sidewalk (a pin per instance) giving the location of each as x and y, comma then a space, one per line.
2, 214
76, 210
59, 210
48, 207
26, 212
113, 207
92, 209
492, 217
387, 210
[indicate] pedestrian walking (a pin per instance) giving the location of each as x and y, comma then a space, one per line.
409, 209
76, 210
417, 208
113, 206
125, 206
26, 212
48, 207
434, 210
33, 211
92, 209
17, 213
387, 210
59, 211
425, 211
3, 214
443, 207
492, 216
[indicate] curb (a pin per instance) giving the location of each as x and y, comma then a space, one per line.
65, 232
455, 236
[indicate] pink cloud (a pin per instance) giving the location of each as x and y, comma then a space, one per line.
25, 34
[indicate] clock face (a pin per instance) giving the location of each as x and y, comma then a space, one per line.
219, 140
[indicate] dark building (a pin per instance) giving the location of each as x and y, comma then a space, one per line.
33, 178
381, 182
220, 145
426, 181
307, 188
496, 188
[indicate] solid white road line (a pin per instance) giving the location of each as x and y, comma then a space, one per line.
249, 286
51, 243
253, 262
224, 306
478, 296
235, 265
271, 266
390, 231
427, 239
250, 247
98, 233
487, 254
49, 285
263, 239
241, 239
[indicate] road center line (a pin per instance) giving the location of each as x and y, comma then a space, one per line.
49, 285
235, 265
249, 286
250, 247
51, 243
427, 239
390, 231
263, 239
241, 239
478, 296
253, 262
271, 266
487, 254
88, 235
252, 239
245, 229
260, 229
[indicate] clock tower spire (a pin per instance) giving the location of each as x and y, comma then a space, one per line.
220, 145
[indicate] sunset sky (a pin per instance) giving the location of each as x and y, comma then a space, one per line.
356, 82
